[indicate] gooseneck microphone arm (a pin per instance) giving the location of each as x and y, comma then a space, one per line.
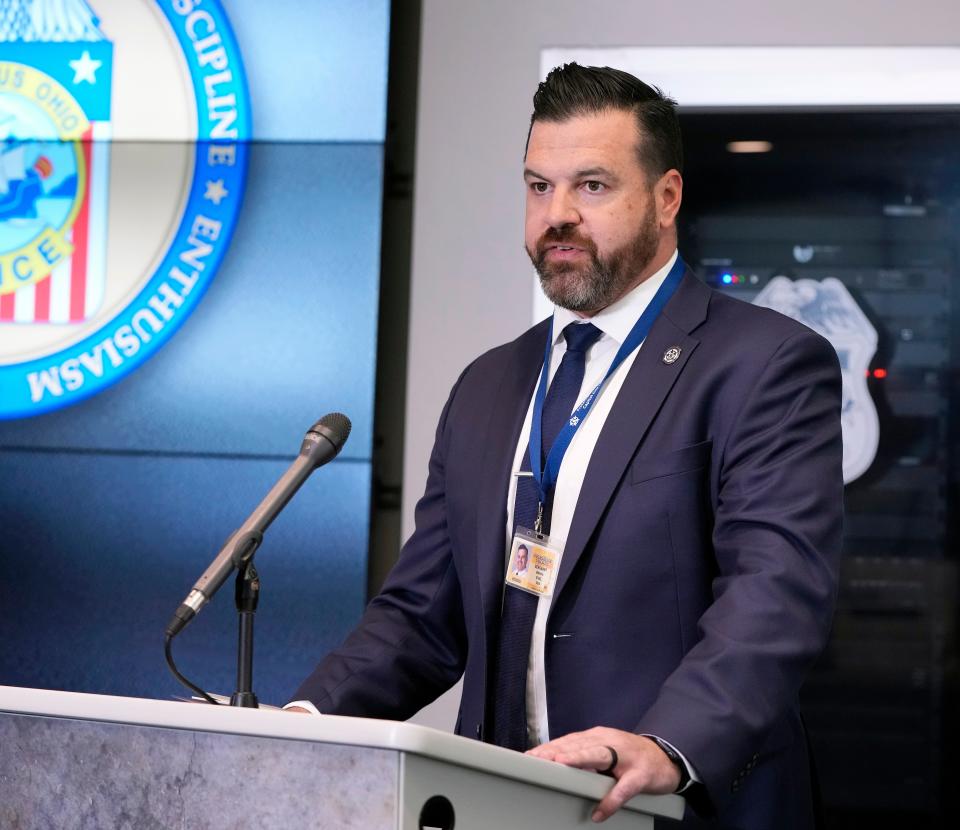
322, 443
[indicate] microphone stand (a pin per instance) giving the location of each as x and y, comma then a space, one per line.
246, 593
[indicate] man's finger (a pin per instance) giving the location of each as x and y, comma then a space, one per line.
567, 743
594, 757
561, 746
572, 754
549, 751
619, 794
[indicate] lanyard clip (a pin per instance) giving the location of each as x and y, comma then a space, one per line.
538, 524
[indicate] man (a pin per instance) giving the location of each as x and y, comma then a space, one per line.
691, 499
520, 566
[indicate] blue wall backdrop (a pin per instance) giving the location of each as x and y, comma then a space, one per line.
111, 508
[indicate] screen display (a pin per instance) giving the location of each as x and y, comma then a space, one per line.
222, 198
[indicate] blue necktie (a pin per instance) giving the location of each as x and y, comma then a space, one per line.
509, 684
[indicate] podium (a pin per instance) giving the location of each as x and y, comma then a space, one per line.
81, 760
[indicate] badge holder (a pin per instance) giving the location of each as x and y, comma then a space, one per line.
534, 560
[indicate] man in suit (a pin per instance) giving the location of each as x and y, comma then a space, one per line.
520, 566
680, 453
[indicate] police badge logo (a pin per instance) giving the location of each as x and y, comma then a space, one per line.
829, 309
672, 355
97, 268
54, 161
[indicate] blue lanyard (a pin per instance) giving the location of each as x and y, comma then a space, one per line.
546, 477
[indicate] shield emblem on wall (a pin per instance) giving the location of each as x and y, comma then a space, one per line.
829, 309
55, 91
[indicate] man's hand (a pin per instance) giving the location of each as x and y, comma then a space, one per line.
298, 709
642, 766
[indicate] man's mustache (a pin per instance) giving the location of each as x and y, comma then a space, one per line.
561, 236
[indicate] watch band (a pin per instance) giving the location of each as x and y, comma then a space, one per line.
674, 756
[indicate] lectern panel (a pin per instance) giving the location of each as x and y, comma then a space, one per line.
88, 774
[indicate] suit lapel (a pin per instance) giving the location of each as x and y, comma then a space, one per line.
642, 394
499, 443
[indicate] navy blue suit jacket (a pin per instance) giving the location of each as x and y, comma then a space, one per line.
699, 575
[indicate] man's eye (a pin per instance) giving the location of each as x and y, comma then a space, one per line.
594, 187
539, 187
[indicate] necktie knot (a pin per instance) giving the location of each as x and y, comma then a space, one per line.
581, 336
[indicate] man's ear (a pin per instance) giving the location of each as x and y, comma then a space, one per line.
668, 193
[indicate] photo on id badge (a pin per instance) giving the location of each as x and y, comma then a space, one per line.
533, 563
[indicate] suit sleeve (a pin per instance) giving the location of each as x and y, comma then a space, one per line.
410, 645
776, 539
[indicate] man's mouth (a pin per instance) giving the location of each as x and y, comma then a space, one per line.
557, 251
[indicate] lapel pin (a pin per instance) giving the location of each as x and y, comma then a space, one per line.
671, 355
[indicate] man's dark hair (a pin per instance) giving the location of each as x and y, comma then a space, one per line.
571, 90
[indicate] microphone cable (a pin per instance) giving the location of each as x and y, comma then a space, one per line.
168, 653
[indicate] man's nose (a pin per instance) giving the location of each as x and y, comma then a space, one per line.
562, 210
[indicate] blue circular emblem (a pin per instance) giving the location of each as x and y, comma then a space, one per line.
55, 116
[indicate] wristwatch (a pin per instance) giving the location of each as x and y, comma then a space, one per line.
674, 756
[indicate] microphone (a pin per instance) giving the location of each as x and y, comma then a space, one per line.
322, 443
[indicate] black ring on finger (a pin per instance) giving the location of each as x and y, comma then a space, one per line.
614, 760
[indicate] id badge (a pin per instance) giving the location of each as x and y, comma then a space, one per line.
534, 562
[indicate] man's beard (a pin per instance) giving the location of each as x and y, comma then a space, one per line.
592, 286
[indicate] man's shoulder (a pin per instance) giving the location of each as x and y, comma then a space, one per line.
754, 327
733, 309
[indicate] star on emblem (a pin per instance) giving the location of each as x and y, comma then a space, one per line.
215, 192
574, 421
671, 355
85, 68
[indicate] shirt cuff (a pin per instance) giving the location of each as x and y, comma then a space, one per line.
694, 778
306, 704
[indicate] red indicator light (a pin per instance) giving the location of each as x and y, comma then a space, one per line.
880, 374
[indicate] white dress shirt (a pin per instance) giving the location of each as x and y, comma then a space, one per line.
615, 322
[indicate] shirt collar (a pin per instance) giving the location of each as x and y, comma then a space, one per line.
616, 320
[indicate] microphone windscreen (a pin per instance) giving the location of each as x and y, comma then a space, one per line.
335, 427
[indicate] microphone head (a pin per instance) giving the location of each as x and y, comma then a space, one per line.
335, 427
